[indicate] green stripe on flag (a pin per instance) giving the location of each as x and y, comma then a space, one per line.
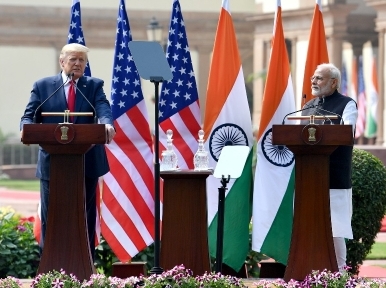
238, 209
371, 126
277, 242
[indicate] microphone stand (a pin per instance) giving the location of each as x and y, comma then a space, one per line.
49, 97
92, 106
156, 269
309, 107
336, 114
325, 117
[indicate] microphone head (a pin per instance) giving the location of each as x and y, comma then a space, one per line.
70, 75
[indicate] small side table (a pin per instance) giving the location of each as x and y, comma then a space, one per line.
125, 270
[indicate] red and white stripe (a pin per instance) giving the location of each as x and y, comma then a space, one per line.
128, 189
185, 126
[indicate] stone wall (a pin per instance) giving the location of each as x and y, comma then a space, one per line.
22, 172
377, 150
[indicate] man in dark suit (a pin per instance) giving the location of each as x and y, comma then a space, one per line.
72, 60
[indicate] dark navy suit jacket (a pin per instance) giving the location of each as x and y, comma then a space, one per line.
95, 159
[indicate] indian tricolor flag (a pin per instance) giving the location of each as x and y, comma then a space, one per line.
353, 92
317, 49
275, 173
228, 122
372, 102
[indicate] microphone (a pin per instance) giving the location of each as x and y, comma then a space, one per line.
333, 113
320, 103
306, 108
325, 117
92, 106
52, 94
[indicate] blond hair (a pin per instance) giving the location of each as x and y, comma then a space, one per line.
73, 47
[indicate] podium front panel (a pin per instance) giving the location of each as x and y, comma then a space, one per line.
184, 235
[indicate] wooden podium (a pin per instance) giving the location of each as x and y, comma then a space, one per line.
184, 237
66, 244
312, 246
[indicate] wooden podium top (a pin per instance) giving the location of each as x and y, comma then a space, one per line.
312, 134
64, 133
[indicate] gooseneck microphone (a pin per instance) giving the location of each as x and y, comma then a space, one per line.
52, 94
325, 117
92, 106
305, 108
333, 113
320, 103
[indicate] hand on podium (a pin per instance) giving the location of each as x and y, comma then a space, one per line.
21, 138
110, 132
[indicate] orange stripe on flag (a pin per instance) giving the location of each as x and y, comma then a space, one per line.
374, 75
222, 73
317, 51
354, 79
275, 86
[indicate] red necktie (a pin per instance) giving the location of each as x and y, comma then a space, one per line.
71, 98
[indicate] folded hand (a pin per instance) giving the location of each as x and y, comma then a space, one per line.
110, 133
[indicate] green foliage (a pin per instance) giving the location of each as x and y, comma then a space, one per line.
323, 279
212, 280
105, 257
180, 277
4, 137
146, 255
10, 282
55, 279
253, 258
19, 252
102, 281
176, 277
369, 205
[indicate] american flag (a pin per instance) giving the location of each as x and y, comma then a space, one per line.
75, 35
75, 31
179, 108
343, 85
127, 209
361, 121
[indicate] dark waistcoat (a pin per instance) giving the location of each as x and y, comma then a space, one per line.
340, 159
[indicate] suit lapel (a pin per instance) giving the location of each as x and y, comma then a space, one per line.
79, 102
61, 97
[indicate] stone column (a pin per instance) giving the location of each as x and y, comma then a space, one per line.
261, 49
336, 46
357, 48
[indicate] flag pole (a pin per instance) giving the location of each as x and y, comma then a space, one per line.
156, 268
